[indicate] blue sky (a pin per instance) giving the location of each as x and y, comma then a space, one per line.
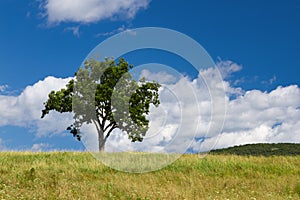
37, 41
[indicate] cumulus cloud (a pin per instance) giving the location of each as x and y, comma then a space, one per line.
186, 118
258, 116
185, 113
89, 11
252, 116
24, 110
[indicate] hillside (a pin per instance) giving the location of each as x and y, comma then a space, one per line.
262, 149
71, 175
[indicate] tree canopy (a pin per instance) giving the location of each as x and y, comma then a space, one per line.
105, 94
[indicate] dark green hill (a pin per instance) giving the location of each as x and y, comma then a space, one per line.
262, 149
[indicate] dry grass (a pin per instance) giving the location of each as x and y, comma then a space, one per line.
80, 176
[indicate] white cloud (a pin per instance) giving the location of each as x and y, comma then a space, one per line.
227, 68
261, 117
25, 110
162, 77
89, 11
184, 115
253, 116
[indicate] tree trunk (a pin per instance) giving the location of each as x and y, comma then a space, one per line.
101, 141
101, 146
101, 138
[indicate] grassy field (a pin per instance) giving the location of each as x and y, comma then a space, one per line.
63, 175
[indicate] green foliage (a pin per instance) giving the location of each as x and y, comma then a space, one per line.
60, 101
104, 93
263, 149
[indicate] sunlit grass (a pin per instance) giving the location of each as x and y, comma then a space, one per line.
59, 175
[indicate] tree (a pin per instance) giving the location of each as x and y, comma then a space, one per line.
105, 94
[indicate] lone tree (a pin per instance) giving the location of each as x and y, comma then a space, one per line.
105, 94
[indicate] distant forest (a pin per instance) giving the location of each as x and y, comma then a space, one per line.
262, 149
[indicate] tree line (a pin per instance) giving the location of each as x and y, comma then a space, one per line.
261, 149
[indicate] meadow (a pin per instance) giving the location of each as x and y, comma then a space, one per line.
74, 175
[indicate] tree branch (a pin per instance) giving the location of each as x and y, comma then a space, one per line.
109, 125
110, 130
97, 125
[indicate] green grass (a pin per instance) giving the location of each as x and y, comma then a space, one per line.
62, 175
